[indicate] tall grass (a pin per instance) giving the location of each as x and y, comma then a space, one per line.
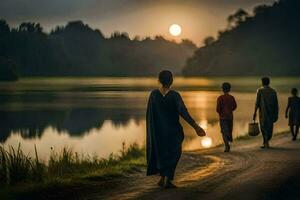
132, 152
17, 167
3, 166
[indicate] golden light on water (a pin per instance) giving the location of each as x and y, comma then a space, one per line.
206, 142
175, 30
204, 124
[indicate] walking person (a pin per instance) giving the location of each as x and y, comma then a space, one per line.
267, 104
292, 112
226, 104
164, 131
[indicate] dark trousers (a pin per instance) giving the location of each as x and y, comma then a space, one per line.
226, 130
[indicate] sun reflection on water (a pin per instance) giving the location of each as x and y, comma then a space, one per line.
96, 115
206, 142
204, 124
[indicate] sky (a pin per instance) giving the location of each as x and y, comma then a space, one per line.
198, 18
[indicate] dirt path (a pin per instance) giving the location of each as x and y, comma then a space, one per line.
248, 172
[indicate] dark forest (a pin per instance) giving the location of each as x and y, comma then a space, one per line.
78, 50
265, 43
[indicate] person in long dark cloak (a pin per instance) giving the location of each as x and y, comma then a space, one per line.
267, 104
293, 113
164, 131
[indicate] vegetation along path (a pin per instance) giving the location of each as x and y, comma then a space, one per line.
247, 172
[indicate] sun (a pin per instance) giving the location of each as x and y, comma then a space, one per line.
175, 30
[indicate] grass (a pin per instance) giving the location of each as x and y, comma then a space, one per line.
15, 166
65, 167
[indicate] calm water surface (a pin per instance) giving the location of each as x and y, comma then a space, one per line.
96, 115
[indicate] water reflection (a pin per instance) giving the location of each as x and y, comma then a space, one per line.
92, 120
100, 141
75, 122
206, 142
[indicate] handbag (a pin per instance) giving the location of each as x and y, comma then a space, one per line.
253, 129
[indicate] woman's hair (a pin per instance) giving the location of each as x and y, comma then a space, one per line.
294, 91
165, 77
226, 87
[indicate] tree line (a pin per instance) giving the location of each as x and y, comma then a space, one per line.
78, 50
265, 42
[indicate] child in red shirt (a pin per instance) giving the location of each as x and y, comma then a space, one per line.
226, 104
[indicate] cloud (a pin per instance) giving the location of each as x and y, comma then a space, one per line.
42, 9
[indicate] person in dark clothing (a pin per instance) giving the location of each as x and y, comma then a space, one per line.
293, 113
164, 131
267, 104
226, 104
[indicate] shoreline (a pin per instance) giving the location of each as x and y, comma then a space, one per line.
204, 159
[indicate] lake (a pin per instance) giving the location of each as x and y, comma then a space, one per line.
96, 115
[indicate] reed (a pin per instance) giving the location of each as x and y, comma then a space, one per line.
38, 168
16, 167
3, 166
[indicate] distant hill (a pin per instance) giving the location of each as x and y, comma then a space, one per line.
78, 50
265, 43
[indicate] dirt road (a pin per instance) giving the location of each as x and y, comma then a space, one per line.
248, 172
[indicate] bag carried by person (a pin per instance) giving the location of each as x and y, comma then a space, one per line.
253, 129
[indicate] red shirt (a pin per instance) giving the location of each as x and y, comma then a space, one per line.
226, 104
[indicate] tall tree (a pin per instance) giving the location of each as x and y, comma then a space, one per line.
263, 44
